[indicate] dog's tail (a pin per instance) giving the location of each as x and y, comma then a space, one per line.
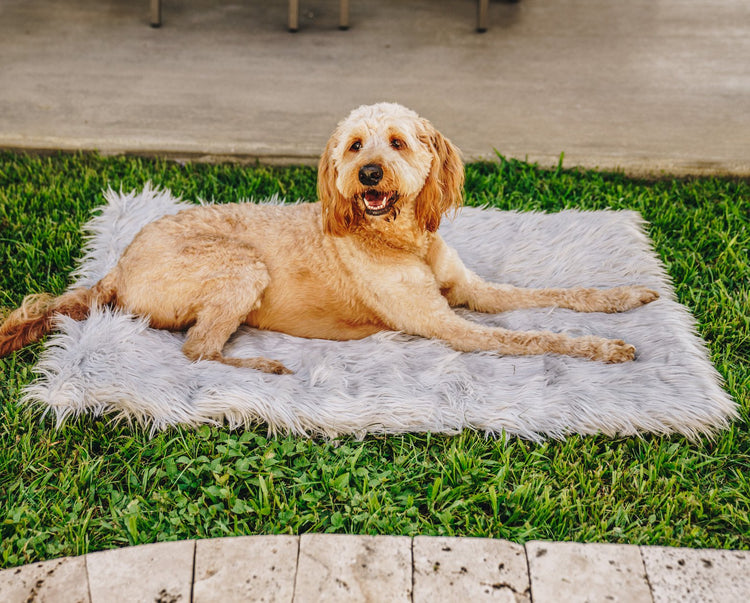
34, 319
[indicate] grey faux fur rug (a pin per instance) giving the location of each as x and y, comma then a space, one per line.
113, 364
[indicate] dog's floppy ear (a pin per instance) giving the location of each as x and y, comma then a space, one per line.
443, 188
338, 213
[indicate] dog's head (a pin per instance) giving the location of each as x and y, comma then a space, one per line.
383, 159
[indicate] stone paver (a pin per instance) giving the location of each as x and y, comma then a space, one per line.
571, 571
161, 572
469, 569
339, 567
52, 581
248, 568
698, 575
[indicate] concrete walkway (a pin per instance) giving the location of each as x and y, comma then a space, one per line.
318, 567
643, 85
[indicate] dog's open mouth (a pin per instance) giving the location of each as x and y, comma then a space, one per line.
378, 203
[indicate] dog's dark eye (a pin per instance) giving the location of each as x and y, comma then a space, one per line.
397, 143
356, 146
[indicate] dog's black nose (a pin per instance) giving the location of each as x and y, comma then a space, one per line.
370, 174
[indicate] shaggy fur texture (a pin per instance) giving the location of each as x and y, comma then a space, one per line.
366, 258
112, 363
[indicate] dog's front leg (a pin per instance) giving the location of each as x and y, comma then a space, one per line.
482, 296
422, 310
462, 287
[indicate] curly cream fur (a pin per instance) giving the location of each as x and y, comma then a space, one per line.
336, 269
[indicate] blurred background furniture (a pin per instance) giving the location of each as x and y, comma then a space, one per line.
293, 23
155, 13
294, 15
482, 9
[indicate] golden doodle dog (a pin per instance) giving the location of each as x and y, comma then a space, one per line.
365, 258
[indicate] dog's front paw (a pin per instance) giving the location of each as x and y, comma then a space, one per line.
644, 296
618, 351
611, 351
633, 297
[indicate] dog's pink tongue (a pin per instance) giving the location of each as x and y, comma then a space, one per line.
374, 197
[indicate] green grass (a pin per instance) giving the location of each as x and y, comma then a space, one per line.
93, 485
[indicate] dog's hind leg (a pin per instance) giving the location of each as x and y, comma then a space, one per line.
200, 278
206, 338
220, 308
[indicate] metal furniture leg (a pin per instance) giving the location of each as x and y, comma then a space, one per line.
344, 14
155, 13
482, 9
293, 15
